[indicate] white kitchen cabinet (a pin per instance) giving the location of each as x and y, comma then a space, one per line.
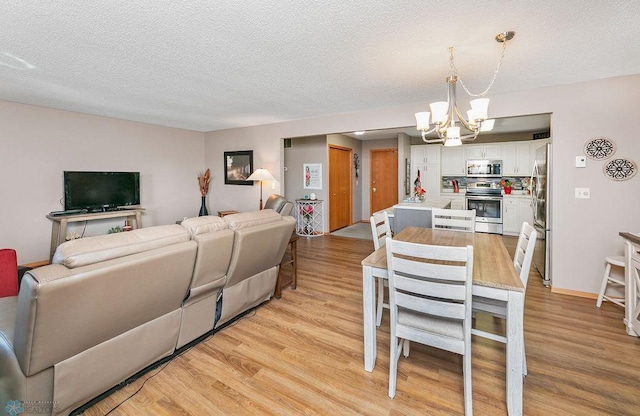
424, 154
515, 211
453, 161
516, 159
426, 158
486, 151
509, 216
525, 211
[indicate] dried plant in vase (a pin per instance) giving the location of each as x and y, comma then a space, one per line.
203, 182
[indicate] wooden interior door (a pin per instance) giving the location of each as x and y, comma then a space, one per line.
384, 179
339, 187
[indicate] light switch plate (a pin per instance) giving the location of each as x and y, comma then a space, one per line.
581, 161
583, 193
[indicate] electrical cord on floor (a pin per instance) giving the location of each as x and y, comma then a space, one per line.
233, 323
155, 374
139, 388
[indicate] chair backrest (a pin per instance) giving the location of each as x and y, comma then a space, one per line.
433, 280
379, 228
279, 204
454, 219
524, 251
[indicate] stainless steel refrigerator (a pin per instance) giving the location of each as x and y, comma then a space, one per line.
541, 203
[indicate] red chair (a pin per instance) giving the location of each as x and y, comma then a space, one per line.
8, 273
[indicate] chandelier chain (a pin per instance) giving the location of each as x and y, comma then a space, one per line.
454, 71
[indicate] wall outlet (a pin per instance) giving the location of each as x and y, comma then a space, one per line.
581, 161
583, 193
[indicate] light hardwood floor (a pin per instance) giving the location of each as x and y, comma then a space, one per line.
303, 354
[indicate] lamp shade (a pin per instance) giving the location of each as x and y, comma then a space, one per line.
480, 108
439, 112
422, 120
261, 175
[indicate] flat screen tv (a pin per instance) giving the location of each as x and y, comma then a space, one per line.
100, 191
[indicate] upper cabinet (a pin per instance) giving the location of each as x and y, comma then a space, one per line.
516, 159
426, 158
485, 151
425, 154
453, 161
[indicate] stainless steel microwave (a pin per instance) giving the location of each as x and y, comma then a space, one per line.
484, 168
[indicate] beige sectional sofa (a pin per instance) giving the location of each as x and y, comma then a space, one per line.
110, 306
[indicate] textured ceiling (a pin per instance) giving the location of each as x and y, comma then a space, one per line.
222, 64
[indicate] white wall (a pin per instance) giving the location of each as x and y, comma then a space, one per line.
584, 231
38, 144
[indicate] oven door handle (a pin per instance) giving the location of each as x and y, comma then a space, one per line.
484, 198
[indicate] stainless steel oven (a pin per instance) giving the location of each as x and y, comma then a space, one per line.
486, 199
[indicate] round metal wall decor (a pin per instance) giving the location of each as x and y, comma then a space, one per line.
600, 148
620, 169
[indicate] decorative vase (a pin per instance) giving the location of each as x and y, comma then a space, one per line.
203, 208
507, 190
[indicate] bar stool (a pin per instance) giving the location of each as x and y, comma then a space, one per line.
607, 279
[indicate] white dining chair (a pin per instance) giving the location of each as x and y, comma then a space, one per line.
430, 303
522, 263
380, 229
454, 219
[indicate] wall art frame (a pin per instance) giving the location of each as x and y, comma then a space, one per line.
312, 175
238, 166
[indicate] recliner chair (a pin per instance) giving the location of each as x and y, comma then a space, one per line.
279, 204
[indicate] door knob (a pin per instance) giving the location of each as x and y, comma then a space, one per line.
373, 189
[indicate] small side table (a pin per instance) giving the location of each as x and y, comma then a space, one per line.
293, 245
223, 213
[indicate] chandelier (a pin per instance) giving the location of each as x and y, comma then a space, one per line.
444, 113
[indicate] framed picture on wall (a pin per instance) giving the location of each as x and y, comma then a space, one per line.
312, 175
238, 166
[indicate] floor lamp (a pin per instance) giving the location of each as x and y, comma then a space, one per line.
261, 175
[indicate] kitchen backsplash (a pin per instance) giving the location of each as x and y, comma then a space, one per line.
518, 183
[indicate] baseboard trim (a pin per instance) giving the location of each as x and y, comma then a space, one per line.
576, 293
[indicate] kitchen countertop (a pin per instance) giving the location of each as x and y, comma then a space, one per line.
518, 195
426, 204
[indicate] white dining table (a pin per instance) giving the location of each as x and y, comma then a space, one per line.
494, 277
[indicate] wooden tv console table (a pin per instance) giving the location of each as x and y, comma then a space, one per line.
59, 226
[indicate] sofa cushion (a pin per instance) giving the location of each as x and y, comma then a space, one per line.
90, 250
204, 224
251, 219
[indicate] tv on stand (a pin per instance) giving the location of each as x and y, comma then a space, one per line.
86, 191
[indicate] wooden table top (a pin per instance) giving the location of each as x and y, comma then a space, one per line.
492, 265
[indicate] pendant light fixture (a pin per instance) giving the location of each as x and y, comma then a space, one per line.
445, 114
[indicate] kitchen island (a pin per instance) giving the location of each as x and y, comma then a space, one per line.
416, 214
